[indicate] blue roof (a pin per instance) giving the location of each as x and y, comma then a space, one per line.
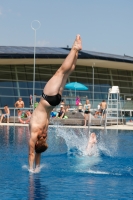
54, 52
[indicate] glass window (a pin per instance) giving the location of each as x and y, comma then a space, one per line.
82, 69
89, 95
5, 68
21, 76
16, 92
104, 96
7, 100
5, 75
105, 89
97, 88
90, 76
43, 84
102, 70
45, 70
105, 82
20, 68
22, 84
6, 84
44, 77
125, 84
116, 83
124, 90
114, 71
122, 72
97, 96
24, 92
38, 84
96, 75
30, 92
38, 92
72, 79
30, 84
89, 69
102, 76
79, 74
14, 84
7, 91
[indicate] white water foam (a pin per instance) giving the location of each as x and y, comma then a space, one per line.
107, 144
37, 170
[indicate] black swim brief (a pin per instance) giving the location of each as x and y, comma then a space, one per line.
52, 100
103, 111
87, 112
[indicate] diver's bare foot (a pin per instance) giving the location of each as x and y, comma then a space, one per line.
77, 44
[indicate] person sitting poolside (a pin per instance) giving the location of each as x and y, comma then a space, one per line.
51, 97
53, 114
6, 115
61, 113
24, 116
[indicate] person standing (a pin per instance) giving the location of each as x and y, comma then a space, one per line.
87, 107
80, 107
103, 106
7, 114
19, 103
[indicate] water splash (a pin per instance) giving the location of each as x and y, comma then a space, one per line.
76, 141
34, 171
106, 145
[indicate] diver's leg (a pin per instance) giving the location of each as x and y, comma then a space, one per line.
53, 85
67, 74
37, 160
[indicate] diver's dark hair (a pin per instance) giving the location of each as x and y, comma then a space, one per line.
41, 146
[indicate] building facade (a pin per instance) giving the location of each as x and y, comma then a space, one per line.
102, 70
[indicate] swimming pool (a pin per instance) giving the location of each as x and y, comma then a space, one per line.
67, 172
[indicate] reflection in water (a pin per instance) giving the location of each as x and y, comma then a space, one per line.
6, 131
37, 190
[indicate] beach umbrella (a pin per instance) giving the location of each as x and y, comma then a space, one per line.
75, 86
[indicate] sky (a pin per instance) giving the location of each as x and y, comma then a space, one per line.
104, 25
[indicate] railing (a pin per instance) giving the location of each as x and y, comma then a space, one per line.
13, 111
127, 113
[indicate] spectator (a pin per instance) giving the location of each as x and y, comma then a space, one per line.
99, 108
7, 115
80, 107
62, 103
77, 101
0, 112
67, 108
103, 106
19, 103
87, 107
31, 101
61, 113
53, 113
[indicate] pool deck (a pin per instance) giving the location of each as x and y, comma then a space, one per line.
119, 127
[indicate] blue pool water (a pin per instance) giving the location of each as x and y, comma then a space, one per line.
67, 173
